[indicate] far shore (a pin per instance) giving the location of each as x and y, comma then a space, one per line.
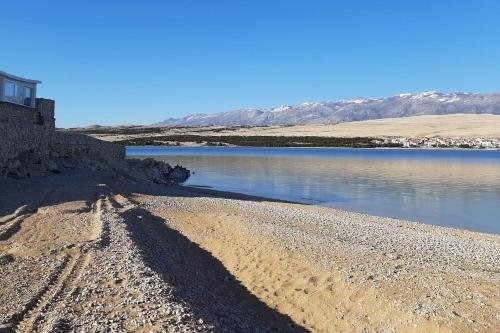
309, 147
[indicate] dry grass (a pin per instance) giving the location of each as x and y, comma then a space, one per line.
457, 125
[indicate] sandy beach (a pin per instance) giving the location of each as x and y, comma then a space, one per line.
82, 251
250, 167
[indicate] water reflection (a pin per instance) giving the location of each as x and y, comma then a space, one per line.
444, 188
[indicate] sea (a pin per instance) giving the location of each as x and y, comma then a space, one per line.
457, 188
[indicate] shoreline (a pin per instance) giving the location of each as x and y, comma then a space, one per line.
354, 148
391, 220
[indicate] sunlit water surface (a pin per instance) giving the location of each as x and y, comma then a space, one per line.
458, 188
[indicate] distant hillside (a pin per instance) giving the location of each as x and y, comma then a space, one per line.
455, 125
404, 105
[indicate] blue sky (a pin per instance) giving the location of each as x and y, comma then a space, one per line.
124, 62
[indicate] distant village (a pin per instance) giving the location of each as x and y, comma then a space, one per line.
441, 142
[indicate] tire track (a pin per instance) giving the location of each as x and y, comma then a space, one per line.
18, 318
68, 288
51, 296
12, 227
41, 314
11, 224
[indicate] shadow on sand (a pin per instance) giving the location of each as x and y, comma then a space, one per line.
202, 280
198, 278
76, 185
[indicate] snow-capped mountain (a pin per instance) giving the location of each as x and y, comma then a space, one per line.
403, 105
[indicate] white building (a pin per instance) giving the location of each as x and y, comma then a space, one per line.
14, 89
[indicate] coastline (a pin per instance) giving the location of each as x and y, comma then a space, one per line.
333, 187
356, 148
383, 219
229, 260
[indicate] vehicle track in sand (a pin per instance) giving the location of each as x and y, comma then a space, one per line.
41, 313
11, 224
48, 301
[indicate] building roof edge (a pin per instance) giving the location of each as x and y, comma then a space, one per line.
13, 77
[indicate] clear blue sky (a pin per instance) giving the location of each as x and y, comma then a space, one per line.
115, 62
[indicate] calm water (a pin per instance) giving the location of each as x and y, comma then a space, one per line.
458, 188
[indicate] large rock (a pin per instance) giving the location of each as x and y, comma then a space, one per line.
178, 174
157, 171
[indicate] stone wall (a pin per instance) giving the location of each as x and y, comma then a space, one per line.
32, 131
79, 146
23, 129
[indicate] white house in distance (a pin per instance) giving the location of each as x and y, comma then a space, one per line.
14, 89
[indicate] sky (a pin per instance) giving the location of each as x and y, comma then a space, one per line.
139, 62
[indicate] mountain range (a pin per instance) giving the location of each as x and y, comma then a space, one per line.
403, 105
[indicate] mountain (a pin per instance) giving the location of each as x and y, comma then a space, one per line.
403, 105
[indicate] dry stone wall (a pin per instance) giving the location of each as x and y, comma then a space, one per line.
26, 130
79, 146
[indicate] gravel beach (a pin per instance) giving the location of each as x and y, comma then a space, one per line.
84, 252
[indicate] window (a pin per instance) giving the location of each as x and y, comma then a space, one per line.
27, 92
10, 89
19, 93
27, 96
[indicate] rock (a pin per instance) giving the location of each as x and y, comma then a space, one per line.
154, 171
18, 173
61, 325
179, 174
6, 326
15, 164
6, 259
53, 167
